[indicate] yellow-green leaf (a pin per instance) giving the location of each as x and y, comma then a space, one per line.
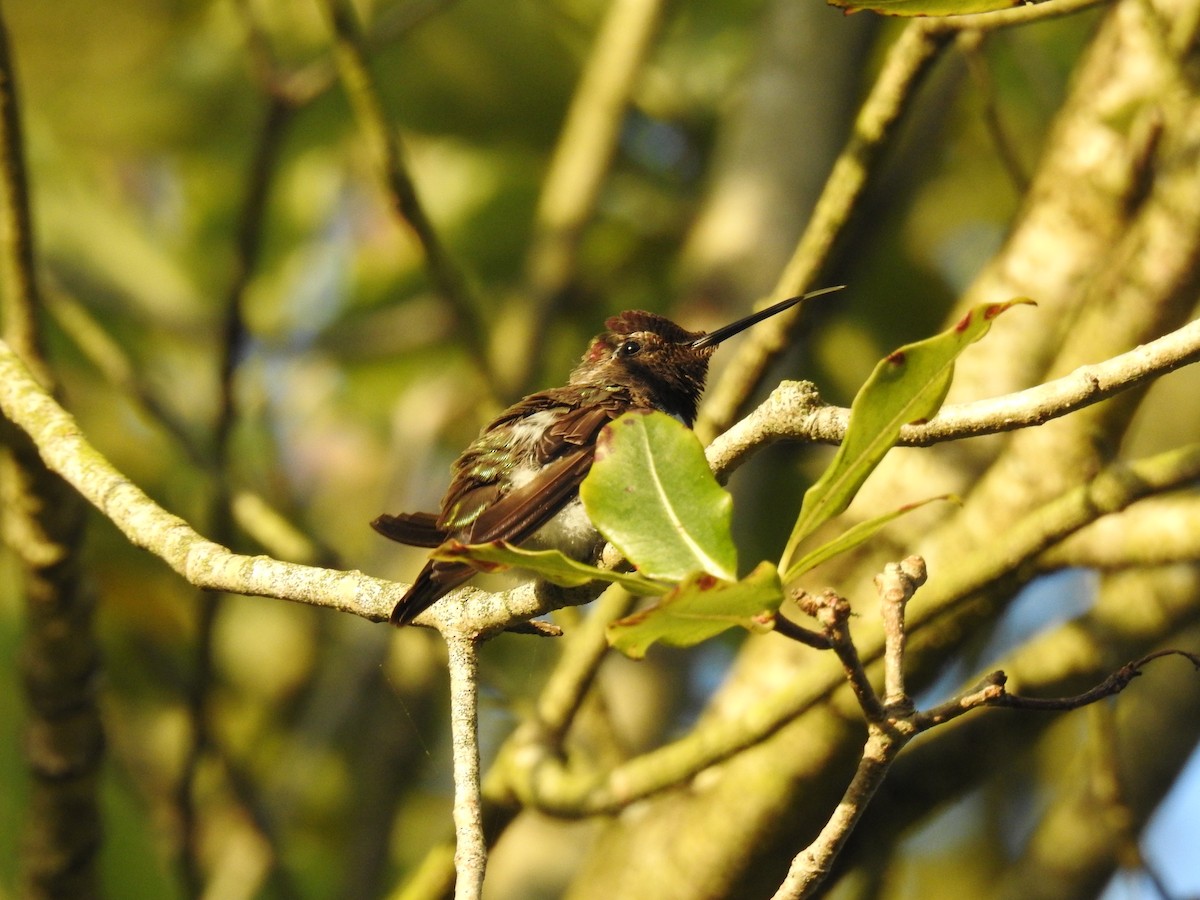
851, 538
907, 386
652, 495
701, 607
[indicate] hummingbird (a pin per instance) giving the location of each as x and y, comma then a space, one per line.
519, 480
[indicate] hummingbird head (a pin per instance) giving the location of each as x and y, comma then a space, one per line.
653, 358
664, 364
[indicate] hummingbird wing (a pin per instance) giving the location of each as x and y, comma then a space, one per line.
469, 494
482, 504
558, 444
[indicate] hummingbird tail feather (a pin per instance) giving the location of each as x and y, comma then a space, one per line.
415, 529
435, 581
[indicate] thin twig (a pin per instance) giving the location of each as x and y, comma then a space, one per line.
97, 346
22, 300
970, 44
888, 733
1113, 684
811, 866
248, 242
807, 636
890, 724
833, 612
470, 855
896, 585
541, 736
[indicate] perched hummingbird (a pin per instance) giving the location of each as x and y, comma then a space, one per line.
519, 480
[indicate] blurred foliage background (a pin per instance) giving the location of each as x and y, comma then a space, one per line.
323, 768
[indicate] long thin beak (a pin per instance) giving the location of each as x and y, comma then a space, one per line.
715, 337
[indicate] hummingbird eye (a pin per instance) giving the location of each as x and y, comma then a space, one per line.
629, 348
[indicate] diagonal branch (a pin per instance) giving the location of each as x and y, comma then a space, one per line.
388, 150
912, 55
210, 566
907, 61
21, 298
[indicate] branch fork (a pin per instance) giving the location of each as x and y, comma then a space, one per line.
892, 720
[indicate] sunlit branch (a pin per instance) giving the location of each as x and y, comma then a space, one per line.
470, 854
794, 411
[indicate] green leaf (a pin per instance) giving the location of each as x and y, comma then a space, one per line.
907, 386
851, 538
552, 565
924, 7
700, 608
652, 495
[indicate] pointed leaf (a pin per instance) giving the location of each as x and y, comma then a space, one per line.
907, 386
651, 493
851, 538
552, 565
700, 608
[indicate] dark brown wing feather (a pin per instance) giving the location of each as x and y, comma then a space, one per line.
476, 511
522, 511
513, 518
565, 453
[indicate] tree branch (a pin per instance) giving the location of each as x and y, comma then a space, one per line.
1152, 532
210, 566
795, 411
42, 521
470, 855
201, 562
21, 295
891, 727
